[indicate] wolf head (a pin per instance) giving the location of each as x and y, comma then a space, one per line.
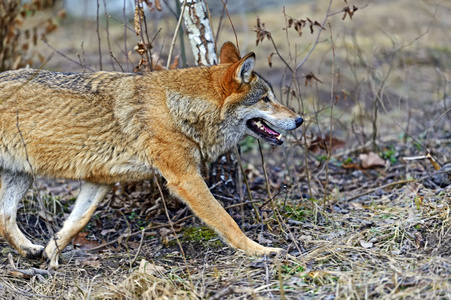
250, 100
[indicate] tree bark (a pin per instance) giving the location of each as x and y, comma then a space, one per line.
199, 32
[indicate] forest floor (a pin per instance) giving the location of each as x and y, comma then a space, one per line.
370, 220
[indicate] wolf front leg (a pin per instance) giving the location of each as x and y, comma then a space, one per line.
13, 188
191, 188
87, 201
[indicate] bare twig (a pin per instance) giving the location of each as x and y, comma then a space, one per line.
329, 148
32, 272
65, 56
220, 22
98, 36
108, 37
317, 38
233, 27
268, 188
139, 247
125, 33
175, 35
248, 189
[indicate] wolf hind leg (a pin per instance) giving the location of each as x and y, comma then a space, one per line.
87, 201
13, 187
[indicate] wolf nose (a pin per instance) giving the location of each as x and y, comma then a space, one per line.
299, 121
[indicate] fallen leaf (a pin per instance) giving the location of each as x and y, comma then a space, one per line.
18, 274
320, 143
371, 160
92, 261
149, 268
81, 242
133, 244
106, 231
355, 205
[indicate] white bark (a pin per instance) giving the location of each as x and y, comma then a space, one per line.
199, 32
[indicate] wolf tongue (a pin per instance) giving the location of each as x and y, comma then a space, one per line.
267, 129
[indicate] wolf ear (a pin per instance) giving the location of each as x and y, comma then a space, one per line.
229, 53
243, 72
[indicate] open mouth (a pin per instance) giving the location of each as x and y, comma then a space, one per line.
262, 130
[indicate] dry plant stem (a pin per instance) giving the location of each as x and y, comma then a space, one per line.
395, 52
32, 271
173, 230
295, 81
265, 261
329, 149
181, 34
279, 274
436, 121
233, 27
177, 28
66, 57
139, 247
84, 56
268, 188
248, 189
400, 127
126, 236
293, 239
220, 22
317, 38
115, 59
98, 36
280, 56
125, 34
107, 29
149, 42
142, 37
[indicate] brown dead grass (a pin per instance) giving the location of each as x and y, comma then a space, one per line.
390, 247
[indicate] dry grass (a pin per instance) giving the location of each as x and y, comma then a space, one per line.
386, 247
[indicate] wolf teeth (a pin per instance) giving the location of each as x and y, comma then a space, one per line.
260, 125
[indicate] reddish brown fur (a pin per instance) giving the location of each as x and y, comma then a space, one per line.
107, 127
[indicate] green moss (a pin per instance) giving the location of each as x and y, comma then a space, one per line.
201, 235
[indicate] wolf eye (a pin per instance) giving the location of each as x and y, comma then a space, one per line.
266, 99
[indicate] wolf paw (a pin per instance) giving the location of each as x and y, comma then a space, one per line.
268, 251
52, 256
250, 247
32, 251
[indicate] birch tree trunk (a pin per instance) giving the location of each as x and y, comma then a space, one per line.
223, 174
199, 32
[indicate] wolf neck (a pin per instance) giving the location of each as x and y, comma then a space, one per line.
200, 120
